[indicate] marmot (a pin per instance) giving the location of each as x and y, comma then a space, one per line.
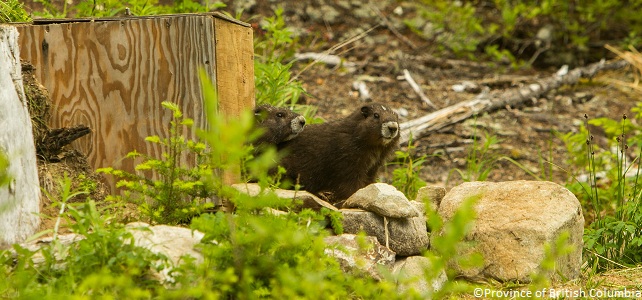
335, 159
278, 125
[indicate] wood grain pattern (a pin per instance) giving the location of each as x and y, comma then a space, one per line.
234, 74
235, 67
113, 75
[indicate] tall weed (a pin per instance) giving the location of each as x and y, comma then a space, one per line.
614, 202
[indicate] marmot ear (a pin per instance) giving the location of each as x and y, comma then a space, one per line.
366, 111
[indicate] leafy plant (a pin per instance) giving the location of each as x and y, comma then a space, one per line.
452, 26
13, 11
110, 8
480, 160
273, 78
190, 6
5, 177
516, 30
170, 189
406, 177
447, 245
103, 262
614, 238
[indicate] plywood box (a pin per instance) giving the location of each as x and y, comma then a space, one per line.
112, 74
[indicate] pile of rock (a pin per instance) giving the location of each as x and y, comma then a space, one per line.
514, 221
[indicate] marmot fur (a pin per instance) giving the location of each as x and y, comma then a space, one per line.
335, 159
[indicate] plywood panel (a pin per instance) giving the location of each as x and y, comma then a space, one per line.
235, 66
234, 74
112, 75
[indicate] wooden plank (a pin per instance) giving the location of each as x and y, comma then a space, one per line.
235, 67
234, 74
112, 76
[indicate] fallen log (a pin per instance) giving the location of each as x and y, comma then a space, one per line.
491, 101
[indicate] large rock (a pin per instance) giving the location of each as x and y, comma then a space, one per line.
415, 272
405, 236
352, 257
383, 199
20, 199
514, 221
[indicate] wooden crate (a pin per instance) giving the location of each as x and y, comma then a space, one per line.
112, 74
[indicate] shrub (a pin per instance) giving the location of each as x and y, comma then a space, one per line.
105, 262
13, 11
507, 29
406, 176
274, 82
172, 189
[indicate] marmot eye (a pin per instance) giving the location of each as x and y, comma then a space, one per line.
279, 115
376, 115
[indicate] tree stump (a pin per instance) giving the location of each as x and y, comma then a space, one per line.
20, 197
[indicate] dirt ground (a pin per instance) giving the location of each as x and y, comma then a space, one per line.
53, 168
527, 134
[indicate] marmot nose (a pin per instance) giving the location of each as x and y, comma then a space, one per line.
393, 128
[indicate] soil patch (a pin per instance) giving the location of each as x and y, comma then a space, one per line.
56, 164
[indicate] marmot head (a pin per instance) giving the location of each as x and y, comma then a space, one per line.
378, 124
279, 124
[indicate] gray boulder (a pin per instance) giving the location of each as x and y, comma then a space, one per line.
514, 221
171, 241
405, 236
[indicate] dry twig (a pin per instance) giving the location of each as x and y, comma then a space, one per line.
417, 89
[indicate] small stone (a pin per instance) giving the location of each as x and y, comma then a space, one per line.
431, 195
352, 257
411, 274
383, 199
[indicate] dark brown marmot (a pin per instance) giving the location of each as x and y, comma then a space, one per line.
278, 125
335, 159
